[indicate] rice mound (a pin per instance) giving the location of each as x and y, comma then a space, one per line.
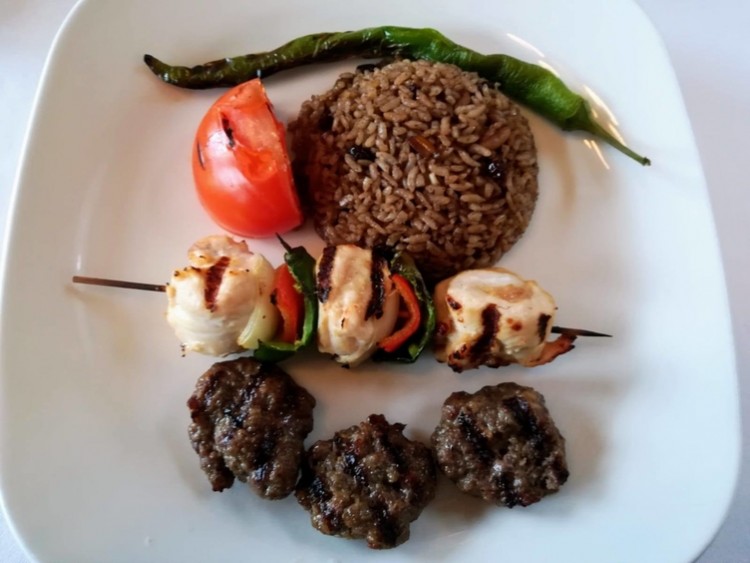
421, 157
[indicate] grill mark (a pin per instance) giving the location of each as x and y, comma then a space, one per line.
210, 388
490, 324
354, 468
523, 416
321, 497
541, 326
325, 267
214, 275
384, 522
200, 155
452, 303
228, 131
246, 399
313, 493
529, 427
352, 462
474, 437
509, 493
377, 298
318, 490
264, 455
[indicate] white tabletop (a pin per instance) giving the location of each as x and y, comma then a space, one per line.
711, 55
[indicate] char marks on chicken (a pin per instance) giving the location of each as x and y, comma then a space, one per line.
492, 317
212, 299
357, 302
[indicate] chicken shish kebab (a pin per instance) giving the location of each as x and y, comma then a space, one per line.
355, 303
351, 299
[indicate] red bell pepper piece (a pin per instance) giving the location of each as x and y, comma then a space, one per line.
411, 312
289, 302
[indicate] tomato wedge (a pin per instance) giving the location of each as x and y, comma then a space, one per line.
241, 167
290, 304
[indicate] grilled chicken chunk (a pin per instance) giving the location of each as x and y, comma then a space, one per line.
212, 299
357, 302
493, 317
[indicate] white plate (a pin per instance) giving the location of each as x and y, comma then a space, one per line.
96, 465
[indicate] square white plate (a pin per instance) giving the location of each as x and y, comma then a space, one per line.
96, 465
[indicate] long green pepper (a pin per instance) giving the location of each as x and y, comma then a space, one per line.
530, 85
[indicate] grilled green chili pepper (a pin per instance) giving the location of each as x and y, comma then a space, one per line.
404, 265
526, 83
302, 267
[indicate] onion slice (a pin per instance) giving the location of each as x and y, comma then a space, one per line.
264, 319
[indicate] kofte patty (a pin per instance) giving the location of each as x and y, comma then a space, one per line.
501, 444
249, 421
369, 481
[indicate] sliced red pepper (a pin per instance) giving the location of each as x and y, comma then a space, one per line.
410, 306
289, 302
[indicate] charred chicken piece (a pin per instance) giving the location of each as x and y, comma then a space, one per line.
249, 421
357, 302
501, 444
212, 300
367, 482
495, 318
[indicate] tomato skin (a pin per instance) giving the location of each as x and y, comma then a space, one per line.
241, 168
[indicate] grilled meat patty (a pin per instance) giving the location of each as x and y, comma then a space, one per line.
500, 444
369, 481
249, 421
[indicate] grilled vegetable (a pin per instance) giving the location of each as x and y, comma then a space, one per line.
290, 303
528, 84
411, 314
409, 344
241, 168
302, 269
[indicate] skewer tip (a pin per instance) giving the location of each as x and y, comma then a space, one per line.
119, 283
578, 332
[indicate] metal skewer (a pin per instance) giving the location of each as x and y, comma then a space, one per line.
577, 332
157, 287
119, 283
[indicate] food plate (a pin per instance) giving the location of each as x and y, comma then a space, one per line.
96, 465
